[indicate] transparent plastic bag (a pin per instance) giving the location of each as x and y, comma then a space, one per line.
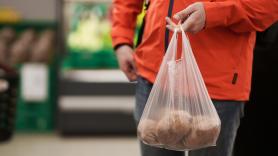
179, 114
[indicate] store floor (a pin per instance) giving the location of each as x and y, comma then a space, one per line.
53, 145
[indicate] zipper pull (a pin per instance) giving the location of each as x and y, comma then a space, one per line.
235, 78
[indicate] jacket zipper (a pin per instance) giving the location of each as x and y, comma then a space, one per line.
170, 9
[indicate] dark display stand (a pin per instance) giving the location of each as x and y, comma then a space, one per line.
82, 121
8, 97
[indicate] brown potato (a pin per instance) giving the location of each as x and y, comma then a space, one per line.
19, 53
41, 51
48, 35
173, 126
204, 133
147, 131
28, 36
8, 35
44, 47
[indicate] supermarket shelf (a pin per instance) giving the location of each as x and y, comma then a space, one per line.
95, 75
95, 101
95, 123
123, 104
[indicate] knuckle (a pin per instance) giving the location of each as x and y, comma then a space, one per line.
195, 29
193, 19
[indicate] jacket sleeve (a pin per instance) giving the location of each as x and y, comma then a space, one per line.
241, 15
124, 15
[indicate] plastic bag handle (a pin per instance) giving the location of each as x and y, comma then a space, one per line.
190, 59
184, 37
175, 34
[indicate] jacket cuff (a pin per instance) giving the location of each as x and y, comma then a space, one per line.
215, 14
122, 35
121, 44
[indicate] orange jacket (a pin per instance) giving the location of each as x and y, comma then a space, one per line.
223, 50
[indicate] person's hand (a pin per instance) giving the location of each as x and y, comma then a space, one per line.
193, 18
126, 62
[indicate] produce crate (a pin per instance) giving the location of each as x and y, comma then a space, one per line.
36, 116
90, 60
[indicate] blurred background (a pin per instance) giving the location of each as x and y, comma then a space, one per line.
61, 92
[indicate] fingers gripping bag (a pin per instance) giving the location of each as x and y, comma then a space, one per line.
179, 114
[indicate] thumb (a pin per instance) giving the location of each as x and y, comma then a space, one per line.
132, 63
182, 15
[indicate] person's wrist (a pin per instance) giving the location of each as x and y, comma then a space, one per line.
121, 45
